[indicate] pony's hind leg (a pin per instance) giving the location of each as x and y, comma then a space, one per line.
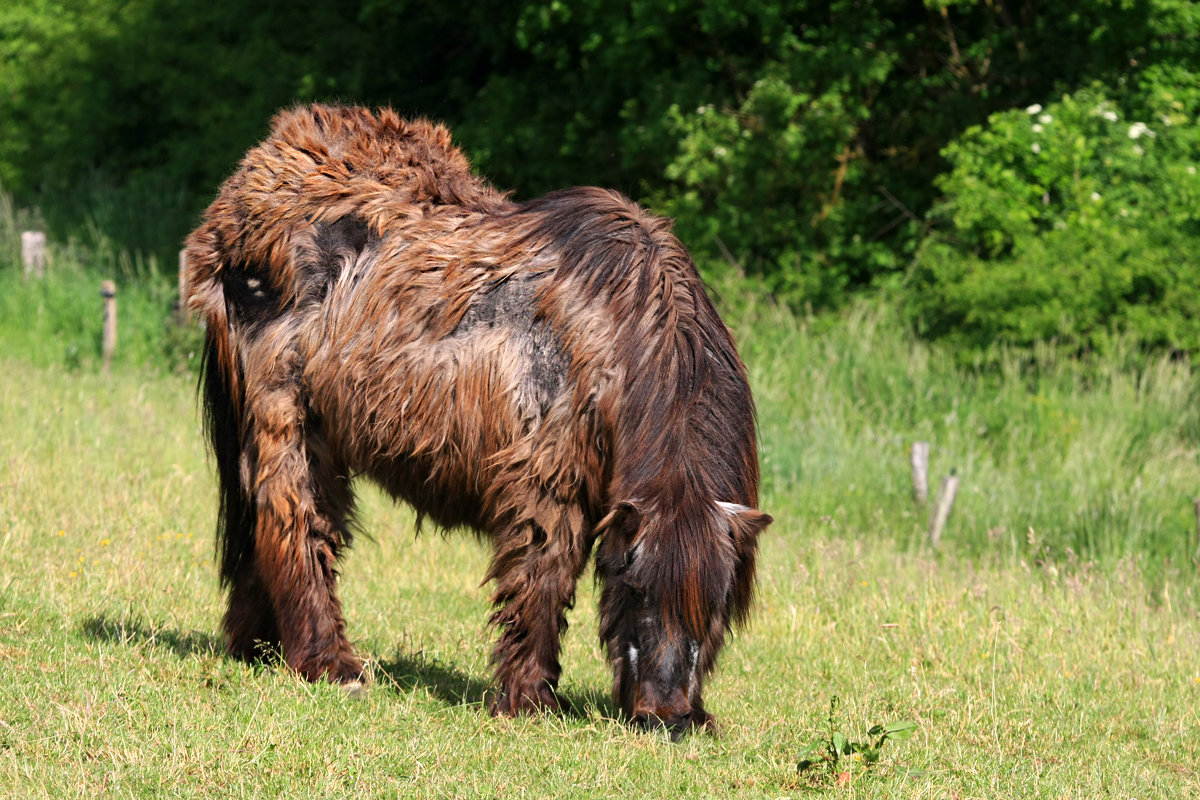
302, 503
536, 569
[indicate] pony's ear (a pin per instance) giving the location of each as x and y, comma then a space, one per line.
744, 520
751, 521
622, 522
744, 526
617, 531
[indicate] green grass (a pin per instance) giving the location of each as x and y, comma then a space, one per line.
1030, 673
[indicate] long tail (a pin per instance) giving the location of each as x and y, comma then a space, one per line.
222, 387
236, 517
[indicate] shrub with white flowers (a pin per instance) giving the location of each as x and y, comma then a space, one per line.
1070, 222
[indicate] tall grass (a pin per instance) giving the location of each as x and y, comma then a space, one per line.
57, 321
1060, 459
129, 235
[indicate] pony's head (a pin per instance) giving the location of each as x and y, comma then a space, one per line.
674, 584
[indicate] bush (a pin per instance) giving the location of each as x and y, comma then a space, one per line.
1072, 222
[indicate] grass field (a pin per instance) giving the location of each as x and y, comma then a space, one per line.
1048, 650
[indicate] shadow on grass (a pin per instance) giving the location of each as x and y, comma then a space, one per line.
131, 631
405, 672
453, 686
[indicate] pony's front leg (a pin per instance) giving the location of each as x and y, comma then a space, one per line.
250, 628
301, 507
535, 575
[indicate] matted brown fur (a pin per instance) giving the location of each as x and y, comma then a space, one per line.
545, 373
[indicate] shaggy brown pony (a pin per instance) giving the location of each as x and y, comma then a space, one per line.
547, 373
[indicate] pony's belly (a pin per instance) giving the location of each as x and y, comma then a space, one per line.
433, 492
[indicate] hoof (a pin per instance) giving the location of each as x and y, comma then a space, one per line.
529, 700
347, 672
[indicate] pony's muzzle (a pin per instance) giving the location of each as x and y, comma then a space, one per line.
677, 725
675, 711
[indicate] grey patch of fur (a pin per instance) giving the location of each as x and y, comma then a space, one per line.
511, 303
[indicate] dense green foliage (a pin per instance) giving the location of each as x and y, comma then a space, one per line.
1071, 222
805, 141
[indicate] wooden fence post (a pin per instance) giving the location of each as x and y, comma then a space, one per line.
941, 509
33, 253
1196, 505
919, 458
108, 290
